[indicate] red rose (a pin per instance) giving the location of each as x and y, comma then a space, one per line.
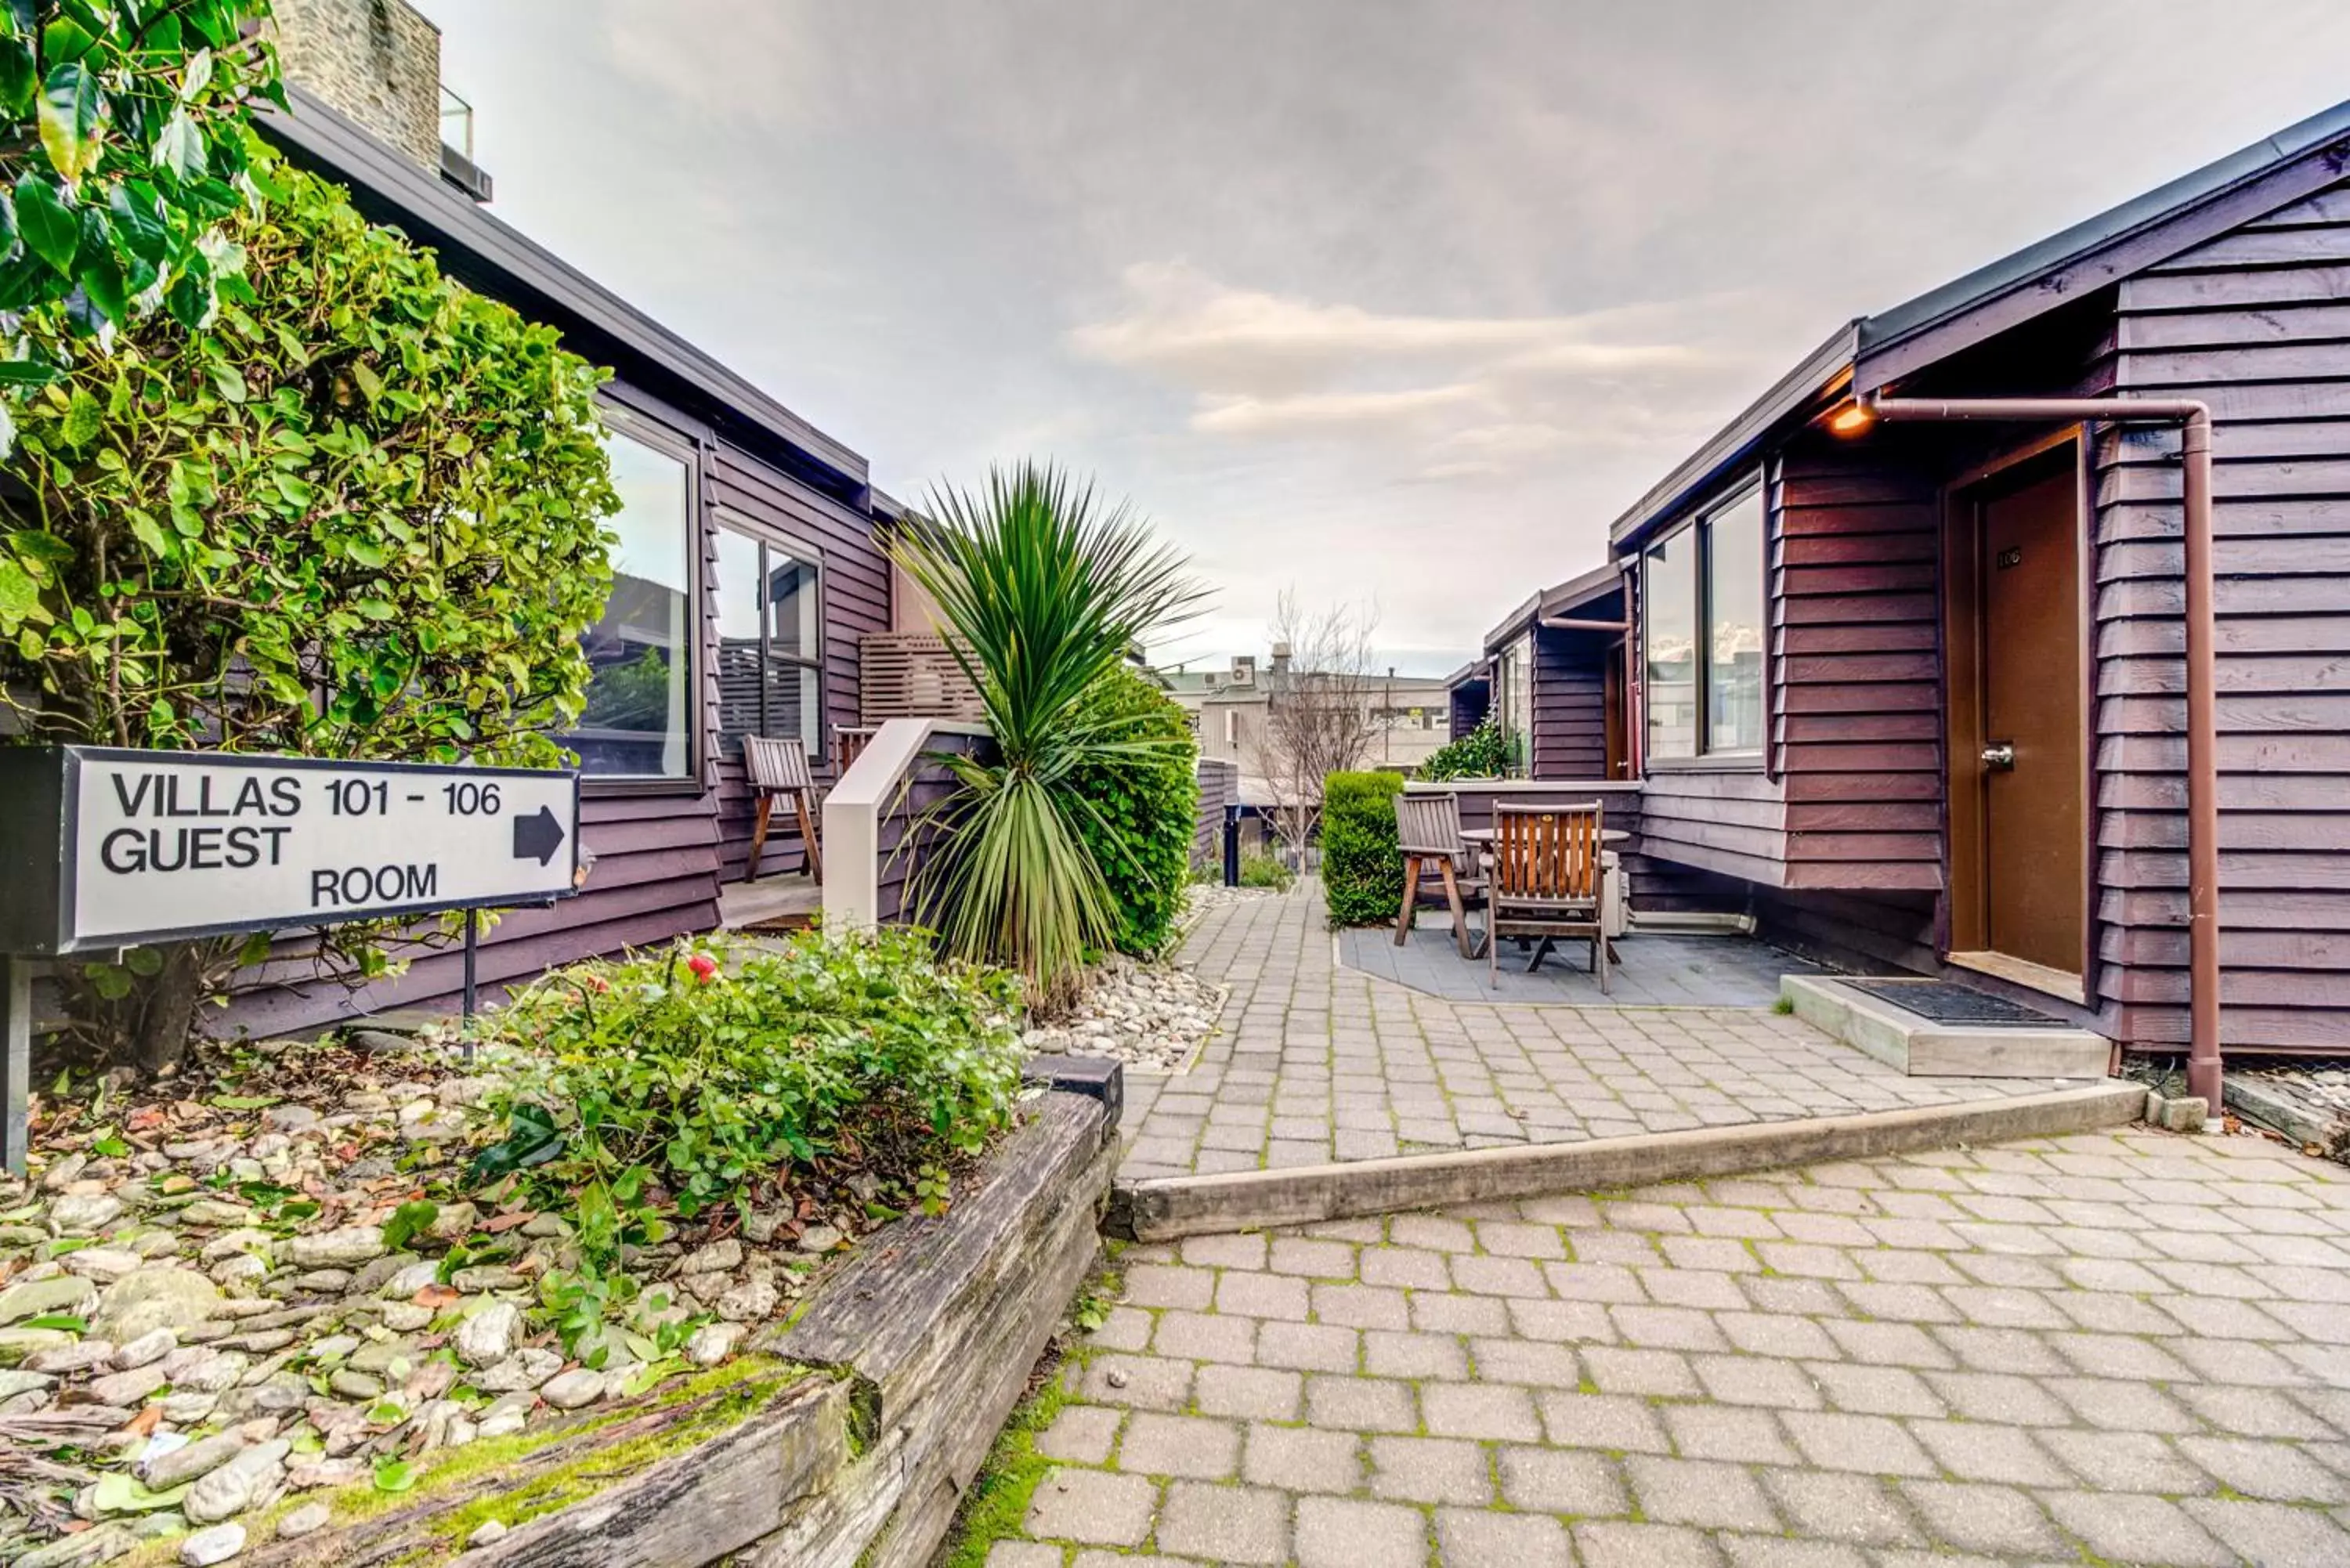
704, 966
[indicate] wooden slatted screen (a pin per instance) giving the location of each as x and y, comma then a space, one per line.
911, 675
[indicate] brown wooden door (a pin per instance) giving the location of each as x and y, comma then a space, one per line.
2029, 573
1614, 706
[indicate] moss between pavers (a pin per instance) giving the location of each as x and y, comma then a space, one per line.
743, 1388
996, 1507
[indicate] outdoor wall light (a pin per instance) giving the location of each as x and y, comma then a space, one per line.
1852, 418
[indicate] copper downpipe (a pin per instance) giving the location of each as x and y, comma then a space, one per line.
2194, 419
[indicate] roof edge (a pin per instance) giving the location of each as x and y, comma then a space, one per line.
436, 216
1817, 375
2019, 269
1605, 578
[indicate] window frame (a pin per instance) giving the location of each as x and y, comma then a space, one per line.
1699, 529
1513, 670
625, 419
769, 537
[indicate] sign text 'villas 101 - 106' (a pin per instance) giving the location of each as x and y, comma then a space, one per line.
150, 844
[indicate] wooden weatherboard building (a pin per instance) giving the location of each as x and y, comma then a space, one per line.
1554, 677
747, 570
1914, 694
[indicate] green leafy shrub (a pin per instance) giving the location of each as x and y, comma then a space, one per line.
1482, 754
357, 516
1362, 873
1144, 808
1259, 869
704, 1075
124, 154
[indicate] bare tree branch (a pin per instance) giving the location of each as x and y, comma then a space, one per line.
1318, 708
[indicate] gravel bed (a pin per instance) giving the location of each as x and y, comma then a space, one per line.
1153, 1017
206, 1302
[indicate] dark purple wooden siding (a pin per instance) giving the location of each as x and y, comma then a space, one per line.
1856, 713
1570, 704
2255, 323
1470, 700
655, 878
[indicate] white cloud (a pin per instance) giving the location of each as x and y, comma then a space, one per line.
1306, 412
1437, 396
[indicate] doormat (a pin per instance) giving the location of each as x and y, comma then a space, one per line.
1941, 1002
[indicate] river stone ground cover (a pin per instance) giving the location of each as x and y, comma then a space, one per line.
225, 1295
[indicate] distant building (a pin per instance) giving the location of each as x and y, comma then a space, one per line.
1229, 704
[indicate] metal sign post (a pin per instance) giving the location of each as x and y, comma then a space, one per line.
17, 1006
103, 849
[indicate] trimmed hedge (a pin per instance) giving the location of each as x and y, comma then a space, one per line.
1362, 872
1144, 811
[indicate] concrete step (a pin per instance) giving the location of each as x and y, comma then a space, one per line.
1162, 1208
1923, 1048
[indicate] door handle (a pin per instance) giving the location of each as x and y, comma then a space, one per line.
2000, 754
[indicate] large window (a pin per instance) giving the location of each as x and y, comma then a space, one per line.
1701, 627
1669, 630
770, 638
1515, 676
637, 718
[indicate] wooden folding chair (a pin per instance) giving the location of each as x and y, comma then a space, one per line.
1428, 831
1545, 882
780, 768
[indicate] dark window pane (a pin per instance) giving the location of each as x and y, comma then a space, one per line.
769, 620
792, 707
740, 659
1518, 704
636, 717
796, 621
1669, 629
1733, 596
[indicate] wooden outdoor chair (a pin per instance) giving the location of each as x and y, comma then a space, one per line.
1547, 882
780, 768
1428, 832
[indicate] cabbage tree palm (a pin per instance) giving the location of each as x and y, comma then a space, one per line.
1043, 591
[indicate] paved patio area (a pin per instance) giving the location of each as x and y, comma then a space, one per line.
1654, 970
1315, 1061
2112, 1349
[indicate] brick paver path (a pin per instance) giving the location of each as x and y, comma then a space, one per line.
1315, 1063
2112, 1349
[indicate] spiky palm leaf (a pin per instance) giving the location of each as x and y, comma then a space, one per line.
1043, 591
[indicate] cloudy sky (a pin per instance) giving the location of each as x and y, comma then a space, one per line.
1392, 302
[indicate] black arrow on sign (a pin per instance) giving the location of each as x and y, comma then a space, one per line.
537, 838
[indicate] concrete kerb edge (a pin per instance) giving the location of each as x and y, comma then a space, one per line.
1166, 1208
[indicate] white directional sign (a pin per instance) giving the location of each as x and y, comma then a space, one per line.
157, 844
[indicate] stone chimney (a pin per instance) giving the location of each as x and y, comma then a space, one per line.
378, 61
